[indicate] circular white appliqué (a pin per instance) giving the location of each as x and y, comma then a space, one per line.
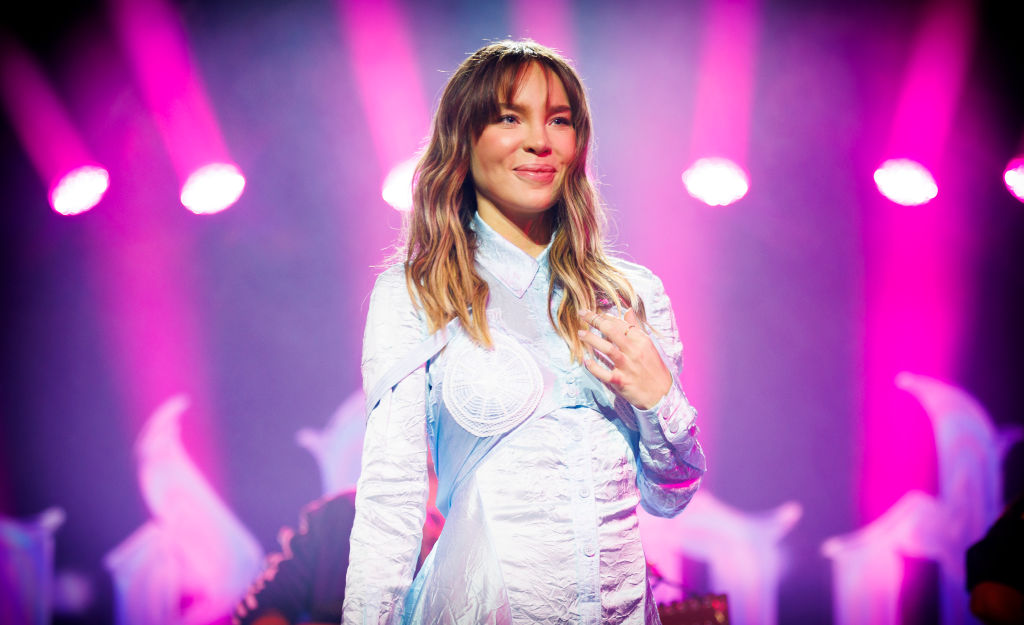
490, 391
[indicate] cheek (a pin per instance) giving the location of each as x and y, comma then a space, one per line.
567, 146
487, 151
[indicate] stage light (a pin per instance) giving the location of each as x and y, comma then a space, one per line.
905, 182
212, 188
397, 187
716, 181
1014, 177
53, 144
79, 190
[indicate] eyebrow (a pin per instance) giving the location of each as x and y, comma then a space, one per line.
554, 110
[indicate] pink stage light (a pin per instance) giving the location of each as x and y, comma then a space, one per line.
153, 35
79, 190
1014, 177
397, 188
905, 182
212, 188
716, 181
47, 133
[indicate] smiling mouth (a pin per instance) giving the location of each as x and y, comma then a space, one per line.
536, 173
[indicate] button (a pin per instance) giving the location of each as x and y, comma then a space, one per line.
589, 550
571, 378
572, 392
673, 428
584, 492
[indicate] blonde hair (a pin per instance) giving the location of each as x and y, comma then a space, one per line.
439, 268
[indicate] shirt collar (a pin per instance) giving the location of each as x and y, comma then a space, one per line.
501, 258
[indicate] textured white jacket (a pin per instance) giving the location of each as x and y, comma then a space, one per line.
540, 467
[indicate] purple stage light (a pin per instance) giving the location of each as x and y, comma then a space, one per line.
79, 190
1014, 177
716, 181
397, 187
905, 182
212, 188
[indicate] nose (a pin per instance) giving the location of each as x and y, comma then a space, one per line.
537, 140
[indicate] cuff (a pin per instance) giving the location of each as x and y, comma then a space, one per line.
673, 416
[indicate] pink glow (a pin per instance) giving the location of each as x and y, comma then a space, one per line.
387, 78
725, 81
916, 263
548, 22
933, 82
154, 37
212, 188
1014, 177
79, 190
397, 188
905, 182
152, 328
716, 181
45, 130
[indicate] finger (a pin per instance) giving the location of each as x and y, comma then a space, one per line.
612, 328
599, 371
596, 320
603, 346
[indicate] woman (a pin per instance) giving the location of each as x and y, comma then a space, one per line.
535, 369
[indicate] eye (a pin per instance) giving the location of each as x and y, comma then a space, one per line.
507, 118
562, 121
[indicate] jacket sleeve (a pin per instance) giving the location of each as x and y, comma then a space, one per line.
392, 489
671, 460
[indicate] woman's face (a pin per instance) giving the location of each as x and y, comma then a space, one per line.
520, 159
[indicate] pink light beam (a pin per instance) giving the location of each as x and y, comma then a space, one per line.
721, 120
57, 152
387, 79
154, 37
916, 263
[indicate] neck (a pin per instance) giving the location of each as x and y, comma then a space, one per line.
530, 233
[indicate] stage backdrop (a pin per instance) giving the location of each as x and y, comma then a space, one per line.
833, 338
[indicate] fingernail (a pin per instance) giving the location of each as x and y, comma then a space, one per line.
581, 333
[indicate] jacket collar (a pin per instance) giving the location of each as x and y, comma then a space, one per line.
513, 267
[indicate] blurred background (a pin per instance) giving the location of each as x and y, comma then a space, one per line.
801, 290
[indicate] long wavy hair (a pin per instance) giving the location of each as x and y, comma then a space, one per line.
439, 244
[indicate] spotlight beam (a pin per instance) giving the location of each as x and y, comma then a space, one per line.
154, 38
75, 181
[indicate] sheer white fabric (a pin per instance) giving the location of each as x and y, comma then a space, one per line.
540, 467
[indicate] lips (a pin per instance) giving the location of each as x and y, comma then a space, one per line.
535, 173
